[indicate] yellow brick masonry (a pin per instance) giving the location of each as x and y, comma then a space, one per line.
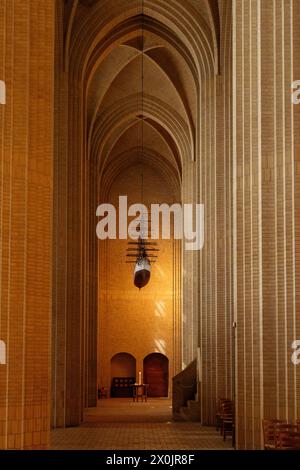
266, 154
26, 124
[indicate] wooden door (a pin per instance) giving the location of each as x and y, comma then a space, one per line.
156, 374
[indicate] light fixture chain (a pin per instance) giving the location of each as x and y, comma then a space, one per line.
142, 130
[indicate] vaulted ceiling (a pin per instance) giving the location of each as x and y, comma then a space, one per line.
110, 45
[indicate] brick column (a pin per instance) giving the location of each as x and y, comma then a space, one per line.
26, 126
265, 245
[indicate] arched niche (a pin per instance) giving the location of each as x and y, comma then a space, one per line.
123, 365
123, 376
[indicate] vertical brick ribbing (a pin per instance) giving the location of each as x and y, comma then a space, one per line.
266, 248
26, 126
296, 173
214, 281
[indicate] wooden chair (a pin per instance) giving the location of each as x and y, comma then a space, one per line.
282, 428
227, 419
219, 404
289, 440
103, 392
268, 426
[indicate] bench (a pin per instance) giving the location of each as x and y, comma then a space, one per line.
122, 387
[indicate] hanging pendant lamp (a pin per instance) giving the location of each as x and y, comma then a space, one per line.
143, 251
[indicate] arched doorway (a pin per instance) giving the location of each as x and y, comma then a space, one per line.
156, 374
123, 374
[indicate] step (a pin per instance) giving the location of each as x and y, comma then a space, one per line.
193, 404
191, 412
178, 417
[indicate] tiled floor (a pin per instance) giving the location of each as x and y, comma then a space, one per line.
120, 424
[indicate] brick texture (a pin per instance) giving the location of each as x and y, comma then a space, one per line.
266, 49
26, 123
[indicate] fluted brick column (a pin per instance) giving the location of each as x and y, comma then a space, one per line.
26, 149
266, 49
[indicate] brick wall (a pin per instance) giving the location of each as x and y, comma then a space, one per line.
133, 321
26, 126
244, 166
265, 128
207, 291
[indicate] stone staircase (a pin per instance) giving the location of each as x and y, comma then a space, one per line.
191, 412
186, 406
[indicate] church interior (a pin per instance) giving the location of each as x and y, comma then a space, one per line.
165, 102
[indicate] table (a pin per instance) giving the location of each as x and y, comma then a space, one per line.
140, 390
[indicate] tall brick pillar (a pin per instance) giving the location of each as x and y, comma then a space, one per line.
266, 230
26, 126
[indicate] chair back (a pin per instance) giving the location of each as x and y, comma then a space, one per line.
289, 440
268, 426
282, 428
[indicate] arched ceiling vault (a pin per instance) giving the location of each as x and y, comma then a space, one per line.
104, 44
155, 138
133, 157
109, 124
171, 62
95, 24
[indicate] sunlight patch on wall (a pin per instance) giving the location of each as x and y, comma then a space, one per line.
160, 310
159, 271
160, 346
